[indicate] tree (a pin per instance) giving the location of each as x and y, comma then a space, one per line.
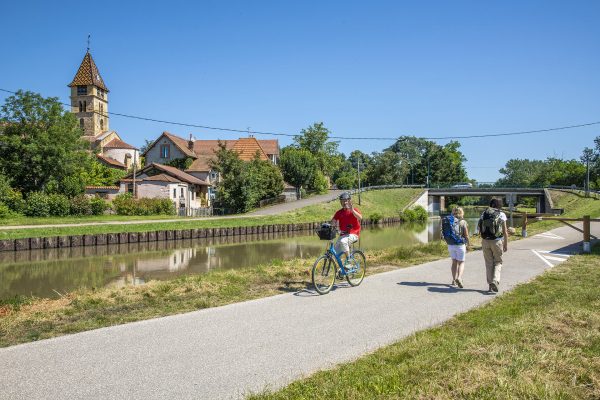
386, 168
297, 166
315, 139
100, 175
243, 184
40, 143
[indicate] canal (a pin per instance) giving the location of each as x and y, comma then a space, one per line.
52, 272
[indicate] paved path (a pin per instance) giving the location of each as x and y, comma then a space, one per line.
272, 210
229, 351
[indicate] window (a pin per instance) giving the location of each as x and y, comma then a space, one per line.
85, 106
165, 151
80, 107
81, 123
101, 124
101, 108
182, 192
174, 193
81, 90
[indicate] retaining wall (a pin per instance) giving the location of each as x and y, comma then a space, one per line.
53, 242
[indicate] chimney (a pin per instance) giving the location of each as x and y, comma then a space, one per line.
191, 143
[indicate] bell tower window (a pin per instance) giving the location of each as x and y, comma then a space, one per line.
85, 106
80, 107
81, 123
81, 90
101, 124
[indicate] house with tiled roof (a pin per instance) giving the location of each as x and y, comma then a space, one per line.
169, 147
89, 103
187, 192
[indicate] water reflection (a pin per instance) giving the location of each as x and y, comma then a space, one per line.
48, 272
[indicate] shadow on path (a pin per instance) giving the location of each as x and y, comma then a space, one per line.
443, 288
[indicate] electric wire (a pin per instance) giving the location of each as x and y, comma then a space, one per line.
247, 131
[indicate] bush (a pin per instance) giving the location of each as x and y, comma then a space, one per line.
59, 205
37, 205
320, 184
375, 217
125, 204
80, 205
417, 214
4, 211
10, 197
98, 206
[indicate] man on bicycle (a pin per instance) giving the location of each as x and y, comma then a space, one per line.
347, 219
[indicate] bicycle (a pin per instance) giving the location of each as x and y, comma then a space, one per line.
329, 267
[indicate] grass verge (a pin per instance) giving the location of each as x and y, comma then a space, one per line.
539, 341
25, 319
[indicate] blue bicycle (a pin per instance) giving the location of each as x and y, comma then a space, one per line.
330, 266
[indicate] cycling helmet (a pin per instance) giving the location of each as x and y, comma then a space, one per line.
345, 196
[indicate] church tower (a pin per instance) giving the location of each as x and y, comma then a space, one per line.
89, 98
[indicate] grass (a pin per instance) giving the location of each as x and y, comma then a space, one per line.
539, 341
25, 319
385, 202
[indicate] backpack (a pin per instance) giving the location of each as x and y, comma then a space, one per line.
490, 224
451, 230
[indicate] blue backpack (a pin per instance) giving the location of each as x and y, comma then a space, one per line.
451, 230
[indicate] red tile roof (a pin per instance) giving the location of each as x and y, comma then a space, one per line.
247, 149
110, 161
270, 146
162, 178
181, 144
171, 171
88, 74
103, 187
118, 144
201, 164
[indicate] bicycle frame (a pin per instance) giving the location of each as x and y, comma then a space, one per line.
336, 256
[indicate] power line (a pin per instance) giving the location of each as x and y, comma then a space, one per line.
246, 131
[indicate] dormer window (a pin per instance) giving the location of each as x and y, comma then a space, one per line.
81, 90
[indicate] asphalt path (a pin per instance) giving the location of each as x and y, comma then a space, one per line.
228, 352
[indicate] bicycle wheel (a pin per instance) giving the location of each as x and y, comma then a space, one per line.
323, 274
357, 266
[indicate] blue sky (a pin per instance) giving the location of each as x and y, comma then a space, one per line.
365, 69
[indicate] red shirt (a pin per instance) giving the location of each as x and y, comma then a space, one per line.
345, 218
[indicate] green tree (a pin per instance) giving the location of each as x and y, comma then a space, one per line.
298, 167
521, 172
100, 175
315, 139
40, 143
386, 168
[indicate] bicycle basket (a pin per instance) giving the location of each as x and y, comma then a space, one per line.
326, 232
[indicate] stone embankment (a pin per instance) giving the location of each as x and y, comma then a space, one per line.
101, 239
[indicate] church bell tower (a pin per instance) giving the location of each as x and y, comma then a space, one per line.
89, 98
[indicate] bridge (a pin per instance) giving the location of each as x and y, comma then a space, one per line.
434, 199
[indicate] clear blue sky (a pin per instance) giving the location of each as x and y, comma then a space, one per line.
366, 69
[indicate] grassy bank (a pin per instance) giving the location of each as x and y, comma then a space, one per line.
539, 341
384, 202
25, 319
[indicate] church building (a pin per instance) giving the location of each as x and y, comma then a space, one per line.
89, 103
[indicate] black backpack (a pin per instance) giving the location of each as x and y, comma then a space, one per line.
451, 230
490, 224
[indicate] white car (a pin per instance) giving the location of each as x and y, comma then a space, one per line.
466, 185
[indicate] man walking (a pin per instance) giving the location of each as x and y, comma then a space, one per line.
494, 235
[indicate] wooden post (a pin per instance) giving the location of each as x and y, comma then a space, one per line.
524, 227
586, 234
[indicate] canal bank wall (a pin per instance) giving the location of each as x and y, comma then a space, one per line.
103, 239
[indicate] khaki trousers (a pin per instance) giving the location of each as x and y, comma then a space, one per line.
492, 254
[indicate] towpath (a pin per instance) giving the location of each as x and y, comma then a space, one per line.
228, 352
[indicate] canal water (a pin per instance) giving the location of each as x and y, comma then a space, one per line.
51, 272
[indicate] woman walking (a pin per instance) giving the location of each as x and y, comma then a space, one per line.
456, 233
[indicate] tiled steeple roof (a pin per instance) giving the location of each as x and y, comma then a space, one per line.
88, 74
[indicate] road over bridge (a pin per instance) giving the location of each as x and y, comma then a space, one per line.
434, 199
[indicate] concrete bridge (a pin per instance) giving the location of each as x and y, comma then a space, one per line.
434, 200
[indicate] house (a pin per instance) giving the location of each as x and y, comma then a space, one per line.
169, 147
187, 192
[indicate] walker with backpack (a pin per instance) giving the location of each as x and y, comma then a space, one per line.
451, 230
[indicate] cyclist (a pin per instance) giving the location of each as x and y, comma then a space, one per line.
347, 219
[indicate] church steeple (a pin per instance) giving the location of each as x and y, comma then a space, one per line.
89, 98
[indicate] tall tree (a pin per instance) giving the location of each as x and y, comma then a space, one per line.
297, 166
386, 168
40, 143
315, 139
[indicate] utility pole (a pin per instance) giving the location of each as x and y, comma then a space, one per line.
359, 181
587, 176
427, 172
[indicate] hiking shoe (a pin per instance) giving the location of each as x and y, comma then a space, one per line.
490, 288
453, 283
459, 283
494, 287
